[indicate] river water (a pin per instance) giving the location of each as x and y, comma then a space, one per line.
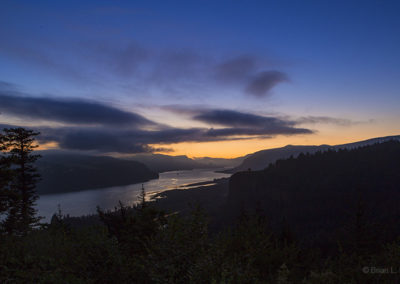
85, 202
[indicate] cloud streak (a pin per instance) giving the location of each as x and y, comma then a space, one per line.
240, 123
329, 120
68, 111
233, 118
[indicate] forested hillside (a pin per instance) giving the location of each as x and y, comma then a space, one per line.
261, 159
73, 172
320, 196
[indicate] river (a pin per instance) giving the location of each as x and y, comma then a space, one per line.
85, 202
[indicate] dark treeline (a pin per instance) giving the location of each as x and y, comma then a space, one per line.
321, 196
144, 244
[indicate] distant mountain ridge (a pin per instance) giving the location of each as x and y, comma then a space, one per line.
261, 159
220, 162
163, 163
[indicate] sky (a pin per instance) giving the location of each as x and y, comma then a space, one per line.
199, 78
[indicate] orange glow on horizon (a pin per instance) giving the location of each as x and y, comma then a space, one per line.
233, 149
329, 134
47, 146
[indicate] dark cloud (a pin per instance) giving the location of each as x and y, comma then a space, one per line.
239, 119
268, 131
243, 70
67, 110
240, 123
101, 143
263, 82
325, 120
236, 69
102, 139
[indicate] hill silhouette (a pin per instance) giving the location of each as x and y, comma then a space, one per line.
164, 163
261, 159
67, 172
319, 195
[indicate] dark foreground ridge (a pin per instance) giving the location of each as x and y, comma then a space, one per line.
319, 195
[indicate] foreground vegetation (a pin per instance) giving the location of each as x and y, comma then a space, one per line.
144, 245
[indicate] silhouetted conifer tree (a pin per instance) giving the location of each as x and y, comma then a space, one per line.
142, 198
5, 176
18, 144
133, 226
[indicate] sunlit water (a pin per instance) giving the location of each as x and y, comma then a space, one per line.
85, 202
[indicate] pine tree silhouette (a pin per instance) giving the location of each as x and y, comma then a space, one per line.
18, 144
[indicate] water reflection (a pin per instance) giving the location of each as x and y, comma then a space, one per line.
85, 202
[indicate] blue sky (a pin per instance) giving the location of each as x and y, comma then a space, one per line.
333, 62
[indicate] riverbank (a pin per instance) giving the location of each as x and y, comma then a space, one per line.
85, 202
